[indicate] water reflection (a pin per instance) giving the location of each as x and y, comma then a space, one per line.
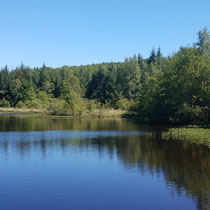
21, 123
185, 167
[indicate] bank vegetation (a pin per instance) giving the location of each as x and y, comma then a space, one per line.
157, 89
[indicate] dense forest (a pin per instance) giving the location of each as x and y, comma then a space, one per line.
163, 89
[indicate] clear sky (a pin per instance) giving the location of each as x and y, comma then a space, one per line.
74, 32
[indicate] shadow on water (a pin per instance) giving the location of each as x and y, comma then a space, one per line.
185, 167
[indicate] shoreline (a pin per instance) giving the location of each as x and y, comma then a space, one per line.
199, 135
96, 113
195, 134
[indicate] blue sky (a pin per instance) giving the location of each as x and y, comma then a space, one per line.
75, 32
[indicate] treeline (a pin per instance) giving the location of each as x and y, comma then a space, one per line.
158, 89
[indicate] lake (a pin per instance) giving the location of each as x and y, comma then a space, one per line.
98, 164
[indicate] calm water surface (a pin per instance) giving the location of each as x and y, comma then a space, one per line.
98, 164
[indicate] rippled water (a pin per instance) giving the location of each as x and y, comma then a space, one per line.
98, 164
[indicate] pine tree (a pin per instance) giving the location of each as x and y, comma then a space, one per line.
152, 57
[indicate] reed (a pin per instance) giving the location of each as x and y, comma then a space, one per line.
195, 134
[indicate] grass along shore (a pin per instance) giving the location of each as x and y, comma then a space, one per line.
192, 134
21, 110
104, 112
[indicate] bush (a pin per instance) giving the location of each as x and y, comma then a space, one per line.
4, 103
93, 104
78, 107
61, 107
20, 104
57, 107
192, 114
36, 104
33, 104
125, 104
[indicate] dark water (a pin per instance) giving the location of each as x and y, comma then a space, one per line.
98, 164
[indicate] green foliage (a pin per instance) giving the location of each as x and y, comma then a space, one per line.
193, 135
26, 92
152, 57
48, 87
102, 87
125, 104
128, 79
179, 91
20, 104
72, 94
4, 103
204, 40
35, 103
93, 104
158, 89
193, 114
78, 107
57, 107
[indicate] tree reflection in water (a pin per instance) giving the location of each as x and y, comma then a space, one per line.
185, 167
